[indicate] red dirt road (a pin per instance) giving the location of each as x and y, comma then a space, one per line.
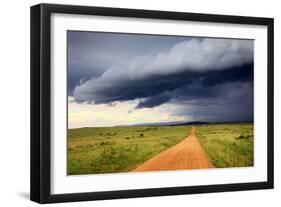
188, 154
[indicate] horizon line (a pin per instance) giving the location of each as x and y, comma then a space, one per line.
168, 124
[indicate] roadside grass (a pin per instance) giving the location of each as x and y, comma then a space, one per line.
228, 145
122, 149
118, 149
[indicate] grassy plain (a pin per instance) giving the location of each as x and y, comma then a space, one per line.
122, 149
228, 145
118, 149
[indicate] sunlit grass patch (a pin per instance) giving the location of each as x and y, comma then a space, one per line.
118, 149
228, 145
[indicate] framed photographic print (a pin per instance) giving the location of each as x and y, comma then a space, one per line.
133, 103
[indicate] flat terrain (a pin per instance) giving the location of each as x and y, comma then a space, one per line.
188, 154
228, 145
118, 149
125, 149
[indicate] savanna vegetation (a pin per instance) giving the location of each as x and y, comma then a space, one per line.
118, 149
228, 145
122, 149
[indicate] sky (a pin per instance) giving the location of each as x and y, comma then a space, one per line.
124, 79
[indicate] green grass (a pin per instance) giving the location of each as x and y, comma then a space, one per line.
118, 149
228, 145
122, 149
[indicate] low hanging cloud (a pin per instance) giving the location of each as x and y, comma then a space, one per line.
159, 78
153, 101
227, 102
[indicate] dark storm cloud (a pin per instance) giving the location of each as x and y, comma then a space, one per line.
183, 59
91, 54
153, 101
161, 88
227, 102
196, 72
80, 74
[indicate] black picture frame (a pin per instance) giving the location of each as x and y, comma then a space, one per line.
41, 98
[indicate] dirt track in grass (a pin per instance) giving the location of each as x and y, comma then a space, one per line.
188, 154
